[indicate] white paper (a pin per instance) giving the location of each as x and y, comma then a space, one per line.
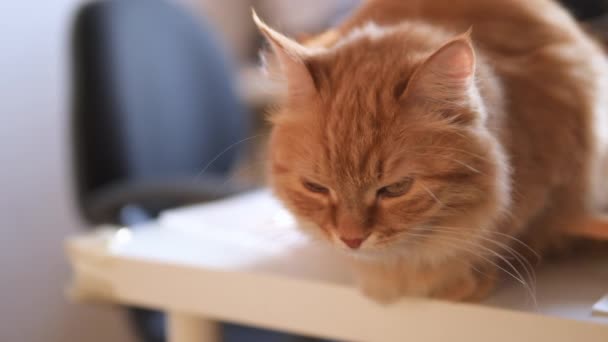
601, 307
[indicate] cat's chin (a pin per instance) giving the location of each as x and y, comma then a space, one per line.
404, 254
395, 252
386, 254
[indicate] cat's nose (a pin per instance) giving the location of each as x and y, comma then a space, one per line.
352, 243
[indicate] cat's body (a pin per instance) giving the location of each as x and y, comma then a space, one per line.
500, 139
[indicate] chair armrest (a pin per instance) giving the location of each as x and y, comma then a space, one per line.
103, 206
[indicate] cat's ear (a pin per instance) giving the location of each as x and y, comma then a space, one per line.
448, 74
291, 58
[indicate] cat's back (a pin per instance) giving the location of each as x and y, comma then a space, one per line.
501, 26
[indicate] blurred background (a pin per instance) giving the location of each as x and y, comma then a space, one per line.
112, 111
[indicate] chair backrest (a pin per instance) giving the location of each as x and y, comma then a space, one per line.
586, 9
154, 98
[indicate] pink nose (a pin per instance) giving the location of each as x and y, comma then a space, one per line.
352, 243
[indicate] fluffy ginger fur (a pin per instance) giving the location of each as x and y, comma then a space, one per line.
428, 139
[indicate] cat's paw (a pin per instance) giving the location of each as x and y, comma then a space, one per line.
470, 288
383, 292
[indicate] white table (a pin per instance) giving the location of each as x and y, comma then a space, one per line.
241, 260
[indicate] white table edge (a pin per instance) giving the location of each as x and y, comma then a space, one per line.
194, 295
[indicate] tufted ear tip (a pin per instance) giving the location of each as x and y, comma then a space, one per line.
449, 72
447, 78
279, 41
258, 22
468, 33
456, 59
290, 55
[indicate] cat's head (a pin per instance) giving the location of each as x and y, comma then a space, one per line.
381, 142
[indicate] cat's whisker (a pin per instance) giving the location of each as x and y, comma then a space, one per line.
526, 265
457, 243
408, 234
528, 268
465, 165
507, 236
517, 276
204, 169
529, 285
432, 194
460, 259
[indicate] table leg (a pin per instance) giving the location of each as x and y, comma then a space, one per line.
188, 328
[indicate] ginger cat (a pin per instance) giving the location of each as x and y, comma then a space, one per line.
430, 140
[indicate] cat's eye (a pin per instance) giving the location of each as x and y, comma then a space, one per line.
314, 187
396, 189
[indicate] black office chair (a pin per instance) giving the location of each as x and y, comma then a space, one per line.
154, 112
154, 104
586, 9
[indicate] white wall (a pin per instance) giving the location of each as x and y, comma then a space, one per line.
36, 211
